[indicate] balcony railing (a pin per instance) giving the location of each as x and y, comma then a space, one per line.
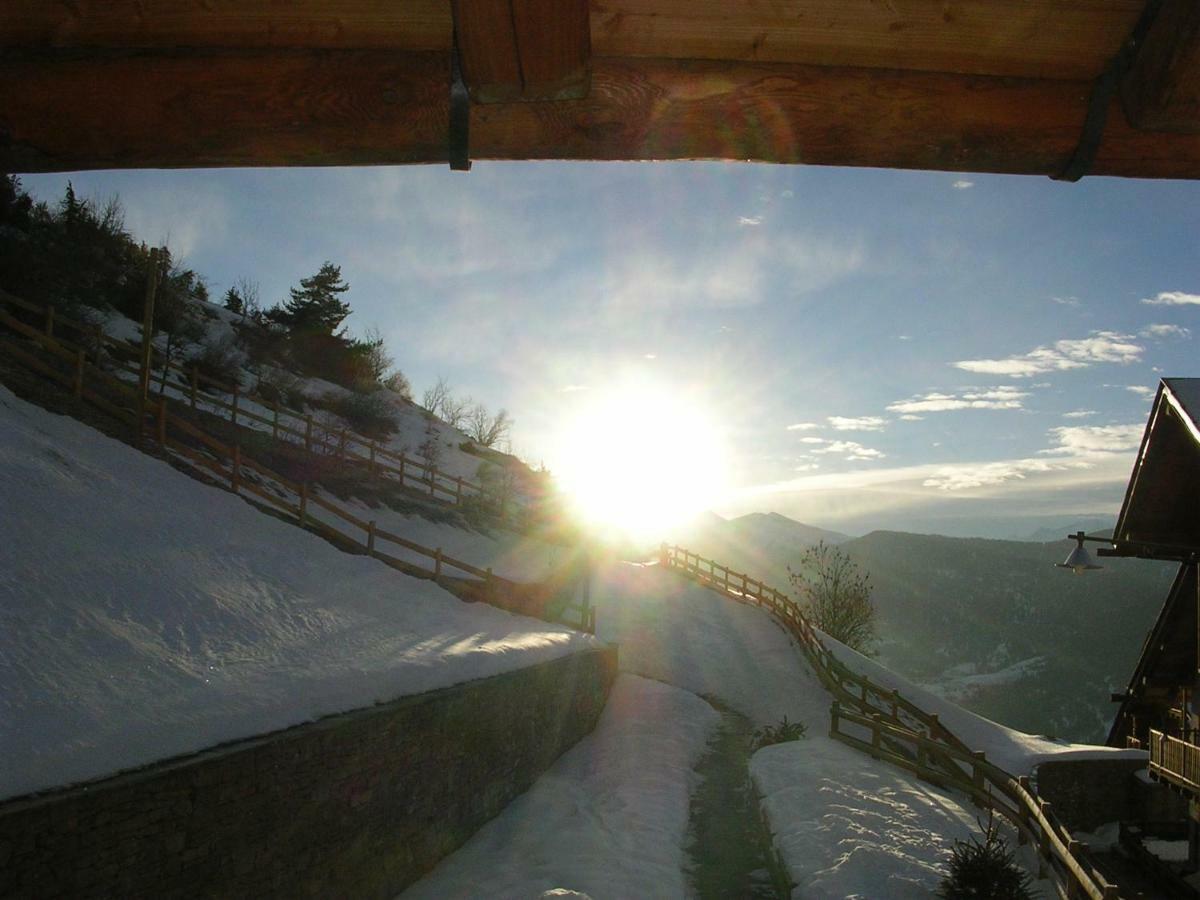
1175, 761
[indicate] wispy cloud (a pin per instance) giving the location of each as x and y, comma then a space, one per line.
910, 417
1003, 397
1140, 389
814, 440
850, 450
1065, 301
750, 220
962, 184
803, 426
1172, 298
1165, 331
861, 423
1079, 414
1099, 347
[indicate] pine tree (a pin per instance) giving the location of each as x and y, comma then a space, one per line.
315, 307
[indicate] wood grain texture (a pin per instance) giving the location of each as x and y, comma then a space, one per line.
1068, 39
487, 49
250, 108
554, 42
361, 107
160, 24
1162, 90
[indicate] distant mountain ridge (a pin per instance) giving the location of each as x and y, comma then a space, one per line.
989, 623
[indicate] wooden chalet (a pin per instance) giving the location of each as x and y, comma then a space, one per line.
1160, 519
1061, 88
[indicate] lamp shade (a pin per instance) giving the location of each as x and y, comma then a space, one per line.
1079, 560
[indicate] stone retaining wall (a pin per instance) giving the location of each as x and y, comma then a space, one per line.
1087, 793
354, 805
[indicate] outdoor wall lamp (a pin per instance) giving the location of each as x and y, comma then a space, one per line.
1079, 560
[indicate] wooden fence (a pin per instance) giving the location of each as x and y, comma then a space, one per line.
1175, 761
247, 477
285, 423
895, 729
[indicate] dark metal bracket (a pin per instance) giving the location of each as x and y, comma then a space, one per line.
459, 139
1103, 90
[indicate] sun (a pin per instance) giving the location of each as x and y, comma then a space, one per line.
640, 458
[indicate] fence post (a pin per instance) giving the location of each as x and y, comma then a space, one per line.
935, 726
99, 342
308, 433
78, 386
835, 712
458, 491
195, 385
233, 412
489, 590
342, 445
432, 472
303, 502
49, 321
876, 736
402, 470
162, 422
275, 420
235, 477
371, 460
662, 555
895, 704
977, 769
437, 563
371, 537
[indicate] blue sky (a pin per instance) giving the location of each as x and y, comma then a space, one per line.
911, 350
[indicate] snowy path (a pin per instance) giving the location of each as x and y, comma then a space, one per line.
676, 632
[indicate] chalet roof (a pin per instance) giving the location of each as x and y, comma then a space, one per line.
1160, 517
1046, 87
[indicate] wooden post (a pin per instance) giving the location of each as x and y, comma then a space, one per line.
437, 563
935, 726
78, 386
162, 422
432, 472
308, 433
195, 385
235, 477
147, 336
371, 537
303, 502
275, 420
895, 704
99, 342
977, 769
490, 588
49, 321
458, 490
233, 412
371, 458
402, 469
876, 736
342, 445
663, 558
835, 712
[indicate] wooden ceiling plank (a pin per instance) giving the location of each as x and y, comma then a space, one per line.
255, 108
259, 108
1067, 39
158, 24
487, 48
1161, 92
554, 43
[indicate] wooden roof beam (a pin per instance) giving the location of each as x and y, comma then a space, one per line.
524, 49
1162, 89
273, 108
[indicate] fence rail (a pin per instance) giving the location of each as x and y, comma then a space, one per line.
1175, 761
228, 465
893, 728
285, 423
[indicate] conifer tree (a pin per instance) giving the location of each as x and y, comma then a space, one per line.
315, 307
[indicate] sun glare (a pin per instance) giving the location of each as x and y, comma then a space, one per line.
639, 459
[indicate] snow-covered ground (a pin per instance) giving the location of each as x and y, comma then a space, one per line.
847, 825
143, 614
609, 819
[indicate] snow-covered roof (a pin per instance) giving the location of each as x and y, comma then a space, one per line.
1160, 517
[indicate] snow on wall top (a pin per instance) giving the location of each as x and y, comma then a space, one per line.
145, 615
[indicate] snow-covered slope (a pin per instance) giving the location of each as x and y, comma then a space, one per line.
143, 614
